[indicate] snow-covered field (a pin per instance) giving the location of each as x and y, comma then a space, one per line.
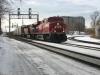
18, 58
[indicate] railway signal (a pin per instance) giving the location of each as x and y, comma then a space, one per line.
30, 12
18, 12
22, 16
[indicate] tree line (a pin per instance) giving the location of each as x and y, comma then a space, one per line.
3, 10
95, 19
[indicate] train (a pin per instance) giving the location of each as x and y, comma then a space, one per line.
50, 29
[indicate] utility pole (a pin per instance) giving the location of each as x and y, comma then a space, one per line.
0, 26
22, 21
5, 30
9, 22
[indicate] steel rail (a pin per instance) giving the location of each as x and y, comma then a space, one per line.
82, 46
96, 43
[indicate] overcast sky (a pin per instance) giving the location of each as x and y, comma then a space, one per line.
48, 8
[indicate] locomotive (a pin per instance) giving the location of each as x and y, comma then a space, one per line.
50, 29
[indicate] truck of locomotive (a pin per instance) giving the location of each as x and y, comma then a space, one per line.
51, 29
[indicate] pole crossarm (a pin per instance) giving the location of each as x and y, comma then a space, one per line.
23, 16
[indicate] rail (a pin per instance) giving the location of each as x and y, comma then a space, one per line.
82, 46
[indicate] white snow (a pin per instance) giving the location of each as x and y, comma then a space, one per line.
83, 38
87, 38
44, 67
74, 49
81, 43
18, 58
76, 35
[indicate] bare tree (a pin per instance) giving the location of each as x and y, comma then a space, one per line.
94, 18
3, 9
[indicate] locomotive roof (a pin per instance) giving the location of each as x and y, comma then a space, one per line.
55, 18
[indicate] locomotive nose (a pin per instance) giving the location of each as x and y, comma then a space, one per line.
58, 27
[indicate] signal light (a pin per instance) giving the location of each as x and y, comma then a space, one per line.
30, 12
18, 12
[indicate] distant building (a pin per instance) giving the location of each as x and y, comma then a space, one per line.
75, 23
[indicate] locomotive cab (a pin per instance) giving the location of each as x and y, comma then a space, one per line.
57, 29
57, 25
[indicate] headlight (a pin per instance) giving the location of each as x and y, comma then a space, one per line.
54, 30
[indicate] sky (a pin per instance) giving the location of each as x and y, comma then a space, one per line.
47, 8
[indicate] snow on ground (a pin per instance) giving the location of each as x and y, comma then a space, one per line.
74, 49
18, 58
11, 62
81, 43
88, 38
76, 35
83, 38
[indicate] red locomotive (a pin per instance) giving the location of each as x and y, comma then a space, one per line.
50, 29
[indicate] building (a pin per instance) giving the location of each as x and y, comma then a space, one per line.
75, 23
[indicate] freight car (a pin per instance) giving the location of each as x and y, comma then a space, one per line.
50, 29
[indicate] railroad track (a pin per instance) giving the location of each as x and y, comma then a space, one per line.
82, 46
90, 42
90, 58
